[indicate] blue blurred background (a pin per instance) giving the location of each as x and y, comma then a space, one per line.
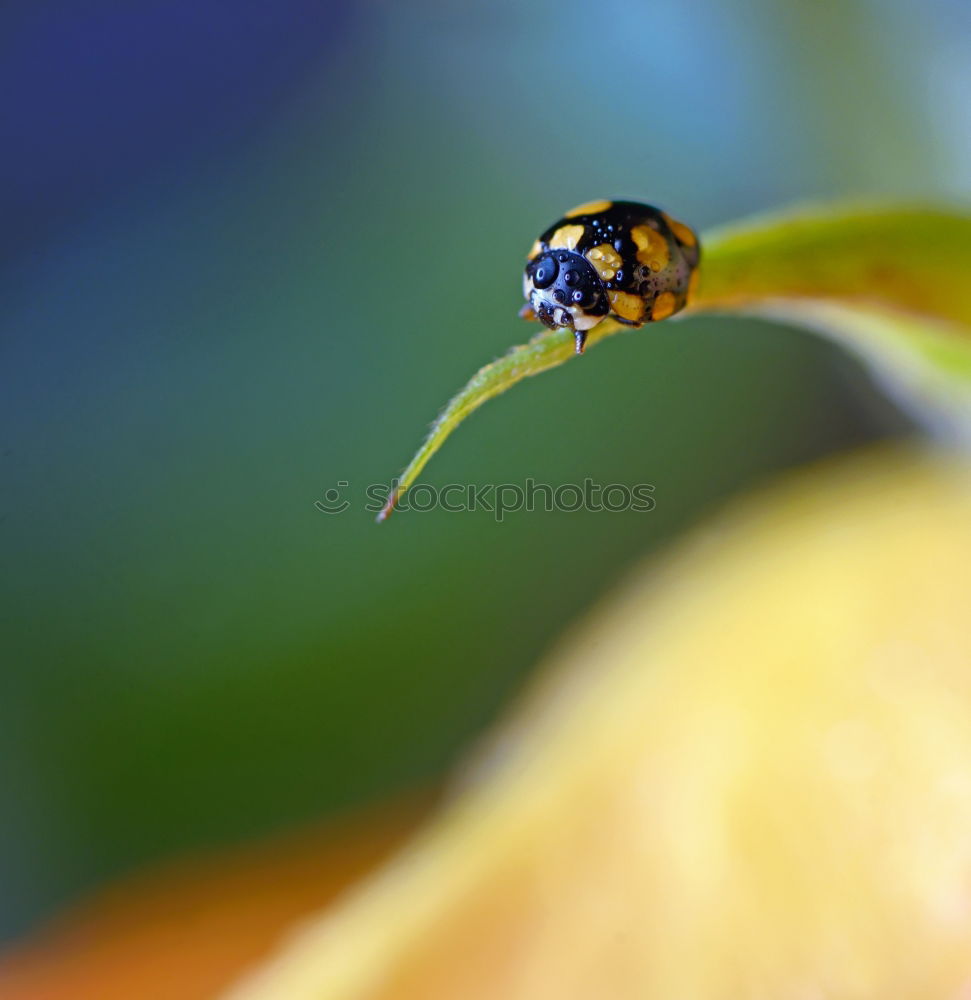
248, 250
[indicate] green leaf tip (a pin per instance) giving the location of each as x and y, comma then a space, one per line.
889, 282
547, 350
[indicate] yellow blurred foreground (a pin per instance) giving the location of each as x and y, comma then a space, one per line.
747, 775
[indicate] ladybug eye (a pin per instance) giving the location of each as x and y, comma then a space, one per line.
545, 273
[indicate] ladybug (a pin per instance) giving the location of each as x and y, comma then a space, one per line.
621, 259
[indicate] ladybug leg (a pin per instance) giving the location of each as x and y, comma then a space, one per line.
625, 322
580, 338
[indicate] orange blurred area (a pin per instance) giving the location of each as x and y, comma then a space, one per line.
186, 931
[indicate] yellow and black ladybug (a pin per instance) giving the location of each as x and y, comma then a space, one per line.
621, 259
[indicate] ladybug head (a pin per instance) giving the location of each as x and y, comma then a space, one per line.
562, 289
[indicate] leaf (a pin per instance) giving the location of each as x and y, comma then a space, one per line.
892, 284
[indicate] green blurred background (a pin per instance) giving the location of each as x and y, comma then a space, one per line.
250, 249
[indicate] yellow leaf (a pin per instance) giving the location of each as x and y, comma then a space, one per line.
747, 775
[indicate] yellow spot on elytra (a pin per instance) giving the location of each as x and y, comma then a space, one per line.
535, 250
588, 208
681, 231
605, 260
663, 306
627, 306
692, 286
652, 247
566, 238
